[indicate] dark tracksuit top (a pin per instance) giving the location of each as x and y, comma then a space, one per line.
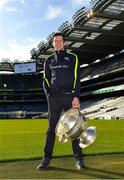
61, 84
61, 74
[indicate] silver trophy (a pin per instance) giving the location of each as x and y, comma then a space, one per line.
72, 125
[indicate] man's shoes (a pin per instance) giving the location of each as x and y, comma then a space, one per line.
44, 164
80, 164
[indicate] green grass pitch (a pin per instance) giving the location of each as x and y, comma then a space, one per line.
24, 139
22, 143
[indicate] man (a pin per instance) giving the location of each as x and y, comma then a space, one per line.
61, 85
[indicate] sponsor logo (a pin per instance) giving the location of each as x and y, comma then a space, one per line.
59, 66
66, 58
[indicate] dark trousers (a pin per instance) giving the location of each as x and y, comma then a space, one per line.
55, 106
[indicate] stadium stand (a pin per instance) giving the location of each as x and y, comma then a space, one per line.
109, 65
107, 108
6, 67
97, 37
21, 95
103, 74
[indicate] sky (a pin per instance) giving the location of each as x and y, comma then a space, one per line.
25, 23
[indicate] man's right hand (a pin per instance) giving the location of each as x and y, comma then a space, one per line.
76, 103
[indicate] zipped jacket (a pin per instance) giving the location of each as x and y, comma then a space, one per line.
61, 74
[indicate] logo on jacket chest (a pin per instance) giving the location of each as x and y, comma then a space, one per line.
64, 64
66, 58
59, 67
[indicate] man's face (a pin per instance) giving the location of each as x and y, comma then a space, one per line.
58, 43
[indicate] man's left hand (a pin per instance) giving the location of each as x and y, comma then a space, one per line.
76, 103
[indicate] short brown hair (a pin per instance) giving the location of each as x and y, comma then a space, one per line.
59, 34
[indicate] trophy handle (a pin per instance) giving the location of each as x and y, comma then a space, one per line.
87, 137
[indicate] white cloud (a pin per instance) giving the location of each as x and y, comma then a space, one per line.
53, 12
23, 2
19, 51
11, 9
28, 40
3, 3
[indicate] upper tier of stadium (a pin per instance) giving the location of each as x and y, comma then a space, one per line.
92, 34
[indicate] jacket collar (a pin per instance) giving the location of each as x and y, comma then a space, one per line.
62, 52
59, 55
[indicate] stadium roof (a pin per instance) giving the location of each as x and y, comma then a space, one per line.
91, 35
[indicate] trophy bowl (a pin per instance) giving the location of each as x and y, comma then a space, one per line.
72, 125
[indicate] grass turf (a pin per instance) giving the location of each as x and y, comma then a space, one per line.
24, 139
98, 167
